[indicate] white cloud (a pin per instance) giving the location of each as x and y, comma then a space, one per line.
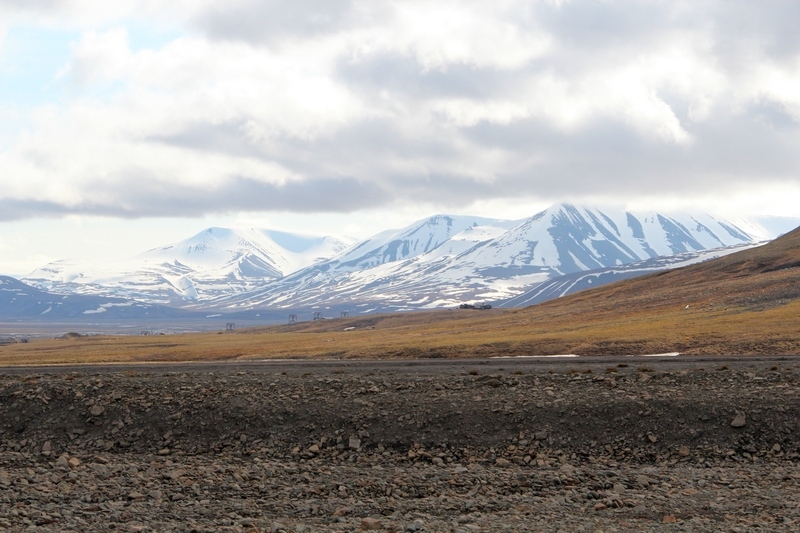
441, 34
99, 57
394, 103
776, 83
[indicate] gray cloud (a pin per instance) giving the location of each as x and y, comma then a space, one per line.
741, 25
15, 209
596, 25
228, 138
606, 158
146, 198
404, 75
269, 21
338, 194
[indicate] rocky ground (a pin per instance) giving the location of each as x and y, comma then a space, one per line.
622, 447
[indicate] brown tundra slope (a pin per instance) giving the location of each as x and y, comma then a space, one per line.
744, 303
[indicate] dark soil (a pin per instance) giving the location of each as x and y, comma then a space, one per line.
246, 411
623, 418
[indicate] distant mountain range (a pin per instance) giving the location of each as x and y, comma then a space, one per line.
216, 262
445, 260
440, 261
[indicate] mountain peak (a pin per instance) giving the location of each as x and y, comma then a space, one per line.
213, 262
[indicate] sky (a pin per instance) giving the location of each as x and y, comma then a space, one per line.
130, 124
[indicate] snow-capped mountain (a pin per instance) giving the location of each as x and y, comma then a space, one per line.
440, 261
215, 262
383, 269
415, 240
19, 301
564, 239
444, 260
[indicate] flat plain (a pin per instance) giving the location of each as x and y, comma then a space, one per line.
608, 444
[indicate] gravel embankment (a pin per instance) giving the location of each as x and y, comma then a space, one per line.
619, 449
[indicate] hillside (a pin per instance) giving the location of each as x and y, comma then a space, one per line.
744, 303
748, 302
561, 286
753, 280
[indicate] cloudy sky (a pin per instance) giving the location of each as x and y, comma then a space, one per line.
133, 123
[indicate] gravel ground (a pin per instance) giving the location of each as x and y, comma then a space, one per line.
616, 448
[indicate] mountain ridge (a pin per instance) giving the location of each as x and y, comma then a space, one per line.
438, 261
213, 261
497, 263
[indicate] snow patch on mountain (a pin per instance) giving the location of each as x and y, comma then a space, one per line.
445, 260
439, 261
213, 262
570, 283
565, 239
417, 239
